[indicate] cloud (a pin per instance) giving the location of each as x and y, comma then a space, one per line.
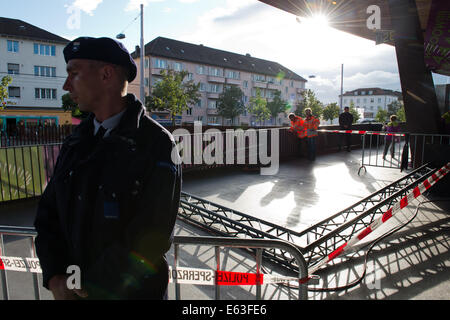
188, 1
246, 26
87, 6
136, 4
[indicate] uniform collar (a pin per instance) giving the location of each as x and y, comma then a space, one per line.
109, 124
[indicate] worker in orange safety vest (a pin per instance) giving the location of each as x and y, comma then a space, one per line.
311, 124
297, 125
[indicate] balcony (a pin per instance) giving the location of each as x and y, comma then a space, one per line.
156, 71
216, 79
212, 111
274, 86
212, 95
257, 84
233, 81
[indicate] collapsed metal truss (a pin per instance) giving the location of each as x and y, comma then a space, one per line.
315, 242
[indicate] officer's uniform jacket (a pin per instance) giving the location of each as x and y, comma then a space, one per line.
110, 208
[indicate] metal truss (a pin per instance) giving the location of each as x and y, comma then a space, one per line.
315, 242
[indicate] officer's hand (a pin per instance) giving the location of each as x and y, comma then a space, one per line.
58, 287
81, 293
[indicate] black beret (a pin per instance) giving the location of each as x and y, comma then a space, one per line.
101, 49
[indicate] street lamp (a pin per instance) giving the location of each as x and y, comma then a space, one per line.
121, 36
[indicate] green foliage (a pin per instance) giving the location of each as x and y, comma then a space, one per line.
277, 105
258, 107
354, 112
230, 103
173, 94
381, 116
310, 101
397, 108
401, 115
331, 111
69, 105
6, 80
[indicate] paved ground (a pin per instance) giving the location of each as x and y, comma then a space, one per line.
412, 264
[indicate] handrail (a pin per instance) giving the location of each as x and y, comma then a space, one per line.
258, 244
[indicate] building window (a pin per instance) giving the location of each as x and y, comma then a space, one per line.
44, 93
147, 63
292, 84
44, 50
13, 46
160, 64
44, 71
370, 92
212, 120
212, 104
245, 84
233, 74
215, 88
14, 92
258, 78
146, 82
363, 93
202, 87
199, 103
201, 70
13, 68
189, 112
177, 66
190, 77
372, 100
216, 72
200, 118
379, 100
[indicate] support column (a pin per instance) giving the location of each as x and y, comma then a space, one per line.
419, 95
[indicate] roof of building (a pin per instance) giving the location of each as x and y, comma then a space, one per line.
375, 92
20, 29
174, 49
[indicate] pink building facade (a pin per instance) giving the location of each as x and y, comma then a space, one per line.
214, 70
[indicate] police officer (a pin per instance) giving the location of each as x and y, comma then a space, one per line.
345, 123
110, 207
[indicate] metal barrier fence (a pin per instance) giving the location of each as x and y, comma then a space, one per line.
217, 242
26, 232
26, 170
398, 151
35, 135
258, 244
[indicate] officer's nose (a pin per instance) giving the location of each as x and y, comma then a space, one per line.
67, 85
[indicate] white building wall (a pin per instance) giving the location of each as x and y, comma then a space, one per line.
26, 79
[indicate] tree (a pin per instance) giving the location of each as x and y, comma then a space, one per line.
230, 104
310, 101
173, 94
394, 107
401, 115
277, 105
381, 116
354, 112
6, 80
331, 111
69, 105
258, 107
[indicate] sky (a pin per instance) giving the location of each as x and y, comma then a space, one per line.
308, 48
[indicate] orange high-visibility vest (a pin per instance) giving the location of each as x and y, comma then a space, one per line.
311, 125
297, 126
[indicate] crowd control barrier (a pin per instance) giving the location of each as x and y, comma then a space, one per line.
177, 275
220, 277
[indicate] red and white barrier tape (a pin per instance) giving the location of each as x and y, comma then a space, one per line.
20, 264
376, 133
417, 191
181, 275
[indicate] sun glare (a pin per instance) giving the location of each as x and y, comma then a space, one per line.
316, 21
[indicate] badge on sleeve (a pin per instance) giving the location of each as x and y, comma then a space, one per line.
111, 210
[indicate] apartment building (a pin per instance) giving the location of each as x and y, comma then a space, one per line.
369, 100
34, 59
215, 69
